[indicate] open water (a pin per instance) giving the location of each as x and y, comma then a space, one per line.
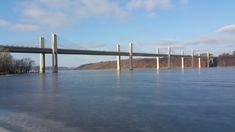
173, 100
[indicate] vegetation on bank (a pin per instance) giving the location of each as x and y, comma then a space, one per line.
226, 60
9, 65
142, 63
222, 60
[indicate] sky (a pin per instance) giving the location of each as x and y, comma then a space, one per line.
202, 25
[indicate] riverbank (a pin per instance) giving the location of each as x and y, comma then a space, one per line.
3, 74
224, 60
143, 63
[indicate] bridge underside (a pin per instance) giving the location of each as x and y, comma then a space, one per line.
15, 49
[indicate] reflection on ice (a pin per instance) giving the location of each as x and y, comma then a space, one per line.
24, 122
4, 130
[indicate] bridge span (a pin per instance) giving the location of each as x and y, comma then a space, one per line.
55, 51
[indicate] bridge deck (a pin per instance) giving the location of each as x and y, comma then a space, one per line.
15, 49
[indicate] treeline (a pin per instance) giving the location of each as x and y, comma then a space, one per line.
9, 65
226, 59
223, 60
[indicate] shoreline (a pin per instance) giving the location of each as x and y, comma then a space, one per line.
163, 68
3, 74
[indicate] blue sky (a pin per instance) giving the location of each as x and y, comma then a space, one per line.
101, 24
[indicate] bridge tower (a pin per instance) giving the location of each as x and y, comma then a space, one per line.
182, 59
192, 58
199, 61
208, 59
42, 55
169, 58
118, 58
130, 56
158, 59
54, 54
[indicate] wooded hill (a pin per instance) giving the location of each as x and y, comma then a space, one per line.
221, 61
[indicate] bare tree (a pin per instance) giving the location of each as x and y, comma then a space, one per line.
9, 65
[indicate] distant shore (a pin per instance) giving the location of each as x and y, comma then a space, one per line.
143, 63
224, 60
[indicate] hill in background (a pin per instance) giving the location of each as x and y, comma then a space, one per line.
221, 61
140, 63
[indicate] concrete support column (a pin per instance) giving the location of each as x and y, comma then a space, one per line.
42, 55
130, 56
192, 58
118, 58
199, 61
208, 59
182, 59
54, 54
158, 59
169, 58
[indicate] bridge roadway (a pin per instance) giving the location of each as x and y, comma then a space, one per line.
17, 49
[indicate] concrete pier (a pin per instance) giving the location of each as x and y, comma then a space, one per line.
54, 54
130, 56
182, 60
169, 58
199, 61
158, 59
42, 55
192, 58
118, 58
208, 59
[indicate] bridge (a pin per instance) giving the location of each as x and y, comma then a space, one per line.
55, 51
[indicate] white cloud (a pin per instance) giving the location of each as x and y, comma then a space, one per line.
3, 22
166, 42
215, 40
211, 40
36, 14
227, 29
24, 27
101, 7
55, 13
149, 5
184, 2
160, 43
